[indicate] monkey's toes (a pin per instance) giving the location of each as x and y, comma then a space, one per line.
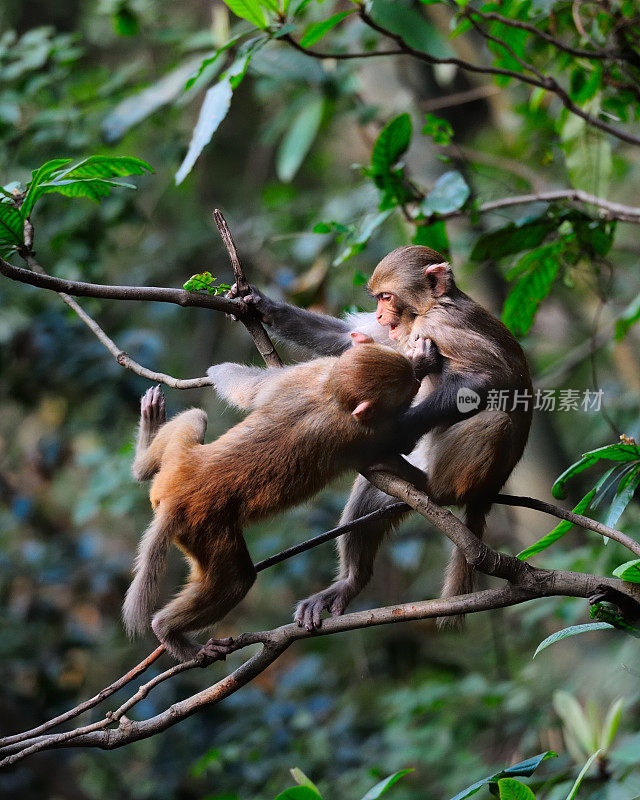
216, 650
309, 612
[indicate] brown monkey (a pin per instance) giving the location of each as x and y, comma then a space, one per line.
309, 423
466, 459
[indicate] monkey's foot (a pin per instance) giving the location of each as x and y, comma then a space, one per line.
152, 409
216, 650
334, 600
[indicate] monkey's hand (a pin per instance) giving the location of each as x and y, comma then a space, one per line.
216, 650
256, 300
334, 600
424, 356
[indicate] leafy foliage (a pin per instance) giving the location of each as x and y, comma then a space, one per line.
522, 769
204, 282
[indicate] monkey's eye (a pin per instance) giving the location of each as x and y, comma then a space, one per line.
384, 296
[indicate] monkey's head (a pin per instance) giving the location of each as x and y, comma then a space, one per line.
407, 283
371, 381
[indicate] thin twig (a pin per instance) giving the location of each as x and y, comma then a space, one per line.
570, 516
251, 319
557, 43
358, 524
87, 704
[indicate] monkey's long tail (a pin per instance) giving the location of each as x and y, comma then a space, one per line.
459, 576
142, 595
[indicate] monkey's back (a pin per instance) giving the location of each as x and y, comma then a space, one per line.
266, 463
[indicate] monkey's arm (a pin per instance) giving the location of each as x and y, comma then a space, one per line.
239, 384
442, 407
321, 333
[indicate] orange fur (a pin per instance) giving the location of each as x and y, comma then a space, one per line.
301, 434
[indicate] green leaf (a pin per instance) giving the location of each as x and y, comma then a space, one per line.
42, 174
91, 177
359, 279
511, 789
359, 238
298, 139
449, 193
11, 224
301, 779
522, 769
212, 59
573, 630
392, 142
541, 268
629, 571
214, 109
385, 784
513, 238
316, 31
558, 532
433, 236
105, 167
93, 188
611, 452
624, 494
629, 317
249, 10
581, 729
299, 793
414, 28
440, 130
583, 772
126, 22
611, 723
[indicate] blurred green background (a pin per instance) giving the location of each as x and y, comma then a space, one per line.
80, 77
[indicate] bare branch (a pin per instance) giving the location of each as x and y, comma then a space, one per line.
612, 210
131, 675
251, 319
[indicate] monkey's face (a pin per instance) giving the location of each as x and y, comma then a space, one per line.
390, 312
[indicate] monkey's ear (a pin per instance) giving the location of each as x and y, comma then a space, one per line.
362, 410
436, 275
360, 338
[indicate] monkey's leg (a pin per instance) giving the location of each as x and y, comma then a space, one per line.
152, 417
357, 554
205, 601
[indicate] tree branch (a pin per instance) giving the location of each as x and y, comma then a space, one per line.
393, 477
557, 43
547, 82
180, 297
612, 210
251, 319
